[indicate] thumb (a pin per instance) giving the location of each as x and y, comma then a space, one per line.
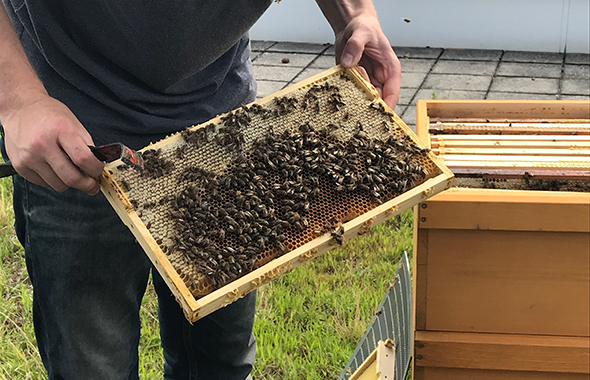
353, 51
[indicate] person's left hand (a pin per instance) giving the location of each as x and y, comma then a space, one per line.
362, 42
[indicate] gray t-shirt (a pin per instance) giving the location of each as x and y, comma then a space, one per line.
136, 70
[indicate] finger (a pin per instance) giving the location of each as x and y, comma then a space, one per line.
32, 177
391, 84
364, 73
76, 147
353, 49
391, 92
42, 174
371, 78
70, 174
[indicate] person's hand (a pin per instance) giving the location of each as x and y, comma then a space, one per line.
362, 42
48, 146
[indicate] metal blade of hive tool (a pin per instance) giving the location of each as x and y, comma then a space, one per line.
393, 320
118, 151
104, 153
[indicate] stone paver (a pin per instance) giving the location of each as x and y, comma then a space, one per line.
296, 47
520, 96
457, 82
416, 52
577, 72
535, 70
261, 45
465, 67
266, 87
275, 59
306, 74
416, 65
527, 85
472, 54
406, 95
323, 62
448, 94
532, 57
435, 73
574, 97
276, 73
399, 110
254, 55
330, 50
577, 58
409, 117
575, 87
412, 80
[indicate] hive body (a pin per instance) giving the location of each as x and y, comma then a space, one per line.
501, 261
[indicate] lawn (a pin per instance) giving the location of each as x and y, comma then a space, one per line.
308, 322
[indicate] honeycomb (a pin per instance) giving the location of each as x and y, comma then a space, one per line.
230, 195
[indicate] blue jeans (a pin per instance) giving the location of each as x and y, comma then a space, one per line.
89, 275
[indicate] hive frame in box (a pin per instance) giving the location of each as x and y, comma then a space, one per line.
481, 312
195, 309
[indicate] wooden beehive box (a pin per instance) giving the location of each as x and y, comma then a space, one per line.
501, 277
257, 159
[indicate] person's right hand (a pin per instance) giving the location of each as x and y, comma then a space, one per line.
48, 146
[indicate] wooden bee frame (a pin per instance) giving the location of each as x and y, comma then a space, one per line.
195, 309
502, 277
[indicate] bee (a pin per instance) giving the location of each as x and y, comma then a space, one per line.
337, 234
125, 185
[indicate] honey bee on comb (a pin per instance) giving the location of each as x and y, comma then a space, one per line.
265, 179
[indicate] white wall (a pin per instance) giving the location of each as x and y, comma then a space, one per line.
528, 25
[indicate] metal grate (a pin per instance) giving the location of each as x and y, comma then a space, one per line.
392, 320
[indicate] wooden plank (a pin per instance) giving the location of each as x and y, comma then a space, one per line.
502, 352
511, 196
505, 143
508, 282
423, 122
571, 154
512, 173
509, 109
508, 120
463, 128
524, 165
562, 160
435, 373
368, 368
549, 138
420, 275
534, 124
506, 210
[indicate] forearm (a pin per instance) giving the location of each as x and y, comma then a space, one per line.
340, 12
19, 85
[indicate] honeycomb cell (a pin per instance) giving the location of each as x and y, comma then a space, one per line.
268, 178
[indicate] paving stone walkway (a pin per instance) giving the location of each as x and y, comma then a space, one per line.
437, 73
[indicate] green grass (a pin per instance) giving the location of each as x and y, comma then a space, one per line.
308, 322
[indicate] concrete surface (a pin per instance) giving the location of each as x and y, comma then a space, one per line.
438, 73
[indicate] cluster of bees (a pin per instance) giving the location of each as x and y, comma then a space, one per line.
226, 223
155, 166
